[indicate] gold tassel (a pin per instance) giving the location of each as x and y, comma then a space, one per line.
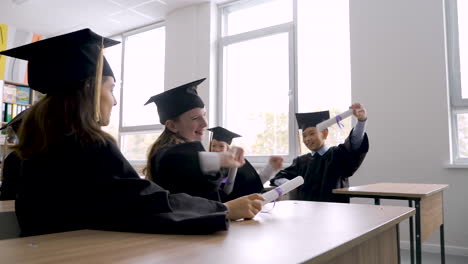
98, 83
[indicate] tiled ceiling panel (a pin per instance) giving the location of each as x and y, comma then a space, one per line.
106, 17
154, 10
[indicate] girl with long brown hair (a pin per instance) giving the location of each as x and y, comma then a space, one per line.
73, 176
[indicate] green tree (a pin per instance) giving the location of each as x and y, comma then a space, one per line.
274, 138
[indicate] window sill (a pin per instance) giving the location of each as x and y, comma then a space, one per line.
261, 165
456, 166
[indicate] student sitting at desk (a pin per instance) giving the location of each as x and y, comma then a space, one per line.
73, 173
177, 160
11, 164
247, 180
326, 168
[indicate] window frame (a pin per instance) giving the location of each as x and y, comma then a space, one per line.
293, 129
133, 130
458, 105
225, 41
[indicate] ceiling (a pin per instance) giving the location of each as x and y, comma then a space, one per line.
106, 17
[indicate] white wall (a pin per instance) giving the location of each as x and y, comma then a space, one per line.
190, 47
398, 72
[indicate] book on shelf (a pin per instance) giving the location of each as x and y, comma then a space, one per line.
14, 110
8, 112
9, 93
11, 110
22, 95
16, 98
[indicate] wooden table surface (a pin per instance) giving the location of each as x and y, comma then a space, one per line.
293, 232
7, 206
394, 189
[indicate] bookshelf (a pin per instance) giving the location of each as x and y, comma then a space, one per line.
14, 98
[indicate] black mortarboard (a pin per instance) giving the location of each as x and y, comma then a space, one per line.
305, 120
15, 122
177, 101
55, 61
222, 134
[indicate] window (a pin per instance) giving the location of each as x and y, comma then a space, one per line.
138, 65
324, 62
295, 59
143, 75
457, 50
114, 57
245, 17
257, 61
266, 82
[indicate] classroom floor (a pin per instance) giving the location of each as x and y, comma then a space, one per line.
433, 258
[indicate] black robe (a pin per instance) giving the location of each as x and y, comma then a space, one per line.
324, 173
96, 188
177, 169
10, 174
247, 182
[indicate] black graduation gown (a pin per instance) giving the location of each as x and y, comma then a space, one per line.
11, 170
324, 173
177, 169
247, 182
96, 188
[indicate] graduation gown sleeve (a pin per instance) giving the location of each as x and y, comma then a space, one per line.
177, 169
247, 182
349, 159
288, 173
324, 173
96, 188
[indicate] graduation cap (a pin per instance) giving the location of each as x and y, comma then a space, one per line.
305, 120
56, 61
222, 134
15, 122
177, 101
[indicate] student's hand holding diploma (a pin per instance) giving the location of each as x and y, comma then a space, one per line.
359, 111
244, 207
233, 158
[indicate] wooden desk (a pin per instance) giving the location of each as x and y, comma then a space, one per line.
7, 206
294, 232
428, 201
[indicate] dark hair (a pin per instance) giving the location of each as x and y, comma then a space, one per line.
167, 138
61, 115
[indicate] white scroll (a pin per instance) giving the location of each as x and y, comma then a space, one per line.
282, 189
231, 178
334, 120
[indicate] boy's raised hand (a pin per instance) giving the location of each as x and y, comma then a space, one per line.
359, 111
276, 162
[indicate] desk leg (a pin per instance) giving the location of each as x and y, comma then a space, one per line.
376, 201
411, 232
442, 244
418, 231
398, 242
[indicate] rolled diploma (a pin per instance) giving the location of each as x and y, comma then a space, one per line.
231, 178
282, 189
324, 124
